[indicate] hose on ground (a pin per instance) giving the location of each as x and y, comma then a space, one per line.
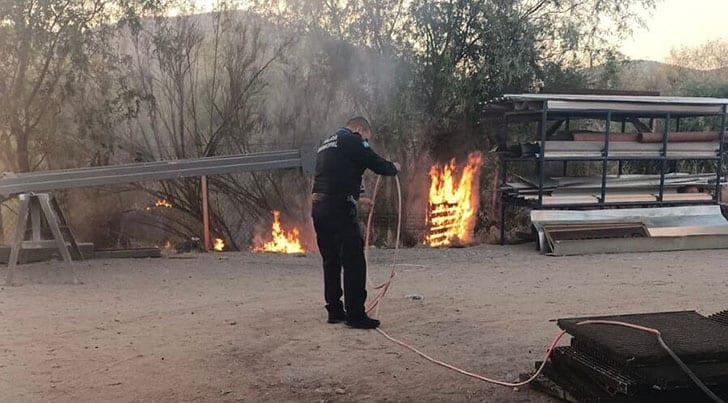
382, 289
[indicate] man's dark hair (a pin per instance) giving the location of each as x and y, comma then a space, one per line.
359, 124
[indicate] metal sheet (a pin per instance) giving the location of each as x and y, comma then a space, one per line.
662, 217
568, 146
688, 230
655, 244
635, 107
556, 234
593, 149
617, 98
659, 217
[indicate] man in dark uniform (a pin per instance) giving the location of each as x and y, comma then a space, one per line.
340, 164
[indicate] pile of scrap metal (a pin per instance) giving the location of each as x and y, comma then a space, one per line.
571, 232
679, 187
618, 364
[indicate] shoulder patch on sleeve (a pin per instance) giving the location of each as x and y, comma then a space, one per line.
365, 144
331, 142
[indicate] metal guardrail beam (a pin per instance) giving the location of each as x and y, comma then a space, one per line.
13, 184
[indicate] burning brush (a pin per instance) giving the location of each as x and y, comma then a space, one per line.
453, 202
161, 203
282, 241
218, 245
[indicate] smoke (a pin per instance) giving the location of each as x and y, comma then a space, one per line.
216, 84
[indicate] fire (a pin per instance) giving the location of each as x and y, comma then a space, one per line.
453, 202
282, 241
163, 203
218, 245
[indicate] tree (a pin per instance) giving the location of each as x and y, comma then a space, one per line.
708, 69
202, 80
48, 47
462, 53
710, 56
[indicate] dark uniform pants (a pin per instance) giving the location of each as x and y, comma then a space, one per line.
341, 245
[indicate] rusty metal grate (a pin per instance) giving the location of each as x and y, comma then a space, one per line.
611, 379
720, 317
615, 364
692, 336
569, 232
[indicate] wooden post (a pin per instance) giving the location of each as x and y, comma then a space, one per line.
205, 215
2, 224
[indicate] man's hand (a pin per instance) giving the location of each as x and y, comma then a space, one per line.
399, 167
365, 203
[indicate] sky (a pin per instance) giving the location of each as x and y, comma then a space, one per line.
674, 23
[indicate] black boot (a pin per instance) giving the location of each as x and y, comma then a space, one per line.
362, 322
336, 315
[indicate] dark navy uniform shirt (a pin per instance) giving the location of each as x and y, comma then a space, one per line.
341, 162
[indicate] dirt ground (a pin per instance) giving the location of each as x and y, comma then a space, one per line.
250, 327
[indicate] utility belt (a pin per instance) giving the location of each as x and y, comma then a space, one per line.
324, 197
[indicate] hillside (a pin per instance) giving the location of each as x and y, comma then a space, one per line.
668, 79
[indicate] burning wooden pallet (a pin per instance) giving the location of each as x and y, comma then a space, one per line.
453, 202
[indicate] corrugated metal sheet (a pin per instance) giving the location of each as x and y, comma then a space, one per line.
13, 184
670, 223
617, 98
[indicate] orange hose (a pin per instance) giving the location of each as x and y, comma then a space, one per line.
384, 288
474, 375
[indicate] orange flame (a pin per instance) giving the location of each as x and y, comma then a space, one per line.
218, 245
453, 203
282, 241
163, 203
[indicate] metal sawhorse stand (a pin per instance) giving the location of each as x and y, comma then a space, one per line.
39, 208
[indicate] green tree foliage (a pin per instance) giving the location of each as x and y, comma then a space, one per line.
462, 53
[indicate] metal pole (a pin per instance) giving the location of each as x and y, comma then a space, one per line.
661, 195
624, 130
205, 214
605, 159
503, 201
2, 224
719, 168
542, 154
